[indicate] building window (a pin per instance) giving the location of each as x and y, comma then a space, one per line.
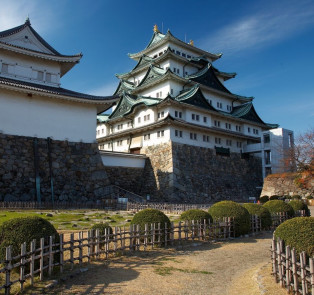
188, 56
229, 142
128, 141
102, 131
139, 120
249, 130
147, 117
40, 75
161, 114
228, 126
217, 140
5, 69
178, 133
48, 77
174, 70
120, 126
229, 108
255, 131
171, 91
178, 114
217, 123
178, 71
147, 136
178, 52
193, 136
219, 105
129, 124
266, 138
195, 117
238, 128
183, 54
119, 142
109, 145
206, 138
157, 95
98, 132
210, 102
239, 144
160, 133
205, 119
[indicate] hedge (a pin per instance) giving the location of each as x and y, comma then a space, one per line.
299, 205
196, 214
278, 206
262, 212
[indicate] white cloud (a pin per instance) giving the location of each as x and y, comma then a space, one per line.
104, 90
43, 14
262, 28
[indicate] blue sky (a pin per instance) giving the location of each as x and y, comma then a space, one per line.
269, 44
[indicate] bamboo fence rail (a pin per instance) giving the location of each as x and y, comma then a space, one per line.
293, 272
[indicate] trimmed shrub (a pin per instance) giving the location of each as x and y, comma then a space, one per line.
231, 209
299, 205
296, 197
287, 197
263, 199
24, 229
262, 212
149, 216
196, 214
274, 197
277, 206
298, 233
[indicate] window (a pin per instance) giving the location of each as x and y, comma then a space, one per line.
120, 126
119, 142
178, 114
229, 142
102, 131
205, 119
188, 56
217, 140
129, 124
40, 76
157, 95
147, 136
239, 144
195, 117
219, 105
98, 131
206, 138
161, 114
238, 128
160, 133
228, 126
155, 56
193, 136
255, 131
266, 138
128, 141
178, 52
178, 71
178, 133
171, 91
217, 123
249, 130
174, 70
48, 77
109, 145
183, 54
147, 117
5, 68
210, 102
139, 120
186, 73
229, 108
160, 53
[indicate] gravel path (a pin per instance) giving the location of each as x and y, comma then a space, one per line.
235, 267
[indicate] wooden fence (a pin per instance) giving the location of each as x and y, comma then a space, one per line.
166, 207
280, 217
293, 272
41, 258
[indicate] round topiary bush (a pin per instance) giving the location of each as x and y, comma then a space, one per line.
278, 206
262, 212
263, 199
299, 205
298, 233
296, 197
16, 231
149, 216
196, 215
231, 209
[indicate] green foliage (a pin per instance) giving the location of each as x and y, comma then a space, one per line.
309, 197
24, 229
196, 214
287, 197
274, 197
262, 212
296, 197
277, 206
231, 209
298, 233
263, 199
149, 216
299, 205
102, 227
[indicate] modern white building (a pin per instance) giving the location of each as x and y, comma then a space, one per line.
275, 150
174, 93
32, 101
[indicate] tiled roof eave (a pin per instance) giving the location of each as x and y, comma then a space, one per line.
47, 56
96, 100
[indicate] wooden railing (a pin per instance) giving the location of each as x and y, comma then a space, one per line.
41, 258
293, 272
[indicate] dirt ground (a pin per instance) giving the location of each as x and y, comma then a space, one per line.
238, 267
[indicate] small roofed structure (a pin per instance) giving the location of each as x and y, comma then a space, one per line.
32, 101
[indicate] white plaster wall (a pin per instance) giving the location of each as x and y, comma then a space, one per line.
158, 50
116, 160
26, 67
154, 139
101, 130
140, 114
216, 98
188, 117
152, 91
44, 117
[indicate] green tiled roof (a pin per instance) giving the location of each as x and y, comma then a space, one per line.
124, 86
128, 102
157, 36
152, 74
102, 118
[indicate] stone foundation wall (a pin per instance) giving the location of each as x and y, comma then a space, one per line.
198, 175
288, 184
78, 172
129, 179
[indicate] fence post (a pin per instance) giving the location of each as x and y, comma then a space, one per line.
294, 271
288, 270
115, 240
131, 238
80, 248
97, 243
303, 273
22, 265
279, 263
41, 259
312, 274
32, 261
72, 250
166, 233
50, 257
273, 257
172, 234
61, 253
8, 267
